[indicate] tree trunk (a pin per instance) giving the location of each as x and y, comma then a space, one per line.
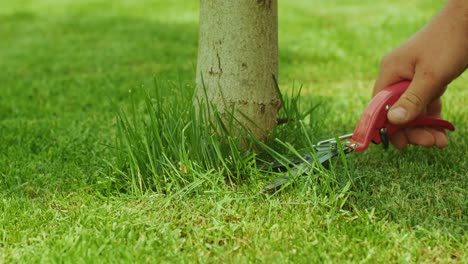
237, 59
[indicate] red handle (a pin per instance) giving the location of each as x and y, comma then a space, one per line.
375, 117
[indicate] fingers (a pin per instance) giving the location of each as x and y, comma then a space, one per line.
424, 88
426, 137
399, 140
441, 139
420, 136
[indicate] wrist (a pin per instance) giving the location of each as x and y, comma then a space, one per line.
457, 10
452, 21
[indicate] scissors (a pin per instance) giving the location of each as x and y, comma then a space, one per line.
372, 127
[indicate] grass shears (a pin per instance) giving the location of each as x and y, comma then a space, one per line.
372, 127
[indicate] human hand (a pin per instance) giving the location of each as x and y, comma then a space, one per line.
431, 58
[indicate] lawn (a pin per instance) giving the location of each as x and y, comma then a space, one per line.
69, 69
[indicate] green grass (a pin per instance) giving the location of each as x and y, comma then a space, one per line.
67, 68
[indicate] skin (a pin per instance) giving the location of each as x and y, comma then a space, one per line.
431, 58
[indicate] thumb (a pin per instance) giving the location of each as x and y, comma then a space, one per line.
414, 100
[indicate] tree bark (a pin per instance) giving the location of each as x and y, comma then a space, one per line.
237, 59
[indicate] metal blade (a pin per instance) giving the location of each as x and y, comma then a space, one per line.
300, 166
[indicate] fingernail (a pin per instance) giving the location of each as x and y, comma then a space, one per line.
398, 114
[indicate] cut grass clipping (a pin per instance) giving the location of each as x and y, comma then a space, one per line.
166, 146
